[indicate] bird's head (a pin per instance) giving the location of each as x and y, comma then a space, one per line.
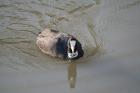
74, 49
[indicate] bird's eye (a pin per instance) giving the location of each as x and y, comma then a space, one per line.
70, 50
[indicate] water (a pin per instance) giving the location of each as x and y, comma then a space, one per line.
22, 20
108, 30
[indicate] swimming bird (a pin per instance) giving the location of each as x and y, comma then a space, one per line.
59, 44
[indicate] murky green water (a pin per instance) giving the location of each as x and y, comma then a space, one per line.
20, 21
107, 29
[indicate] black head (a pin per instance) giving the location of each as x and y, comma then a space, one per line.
75, 50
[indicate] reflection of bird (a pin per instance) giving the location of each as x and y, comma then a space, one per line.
58, 44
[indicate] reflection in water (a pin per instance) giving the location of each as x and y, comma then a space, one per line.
72, 74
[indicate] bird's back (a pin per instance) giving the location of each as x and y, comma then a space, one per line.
52, 42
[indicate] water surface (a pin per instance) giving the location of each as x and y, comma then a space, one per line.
109, 25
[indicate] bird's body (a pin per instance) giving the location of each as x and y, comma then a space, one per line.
59, 44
